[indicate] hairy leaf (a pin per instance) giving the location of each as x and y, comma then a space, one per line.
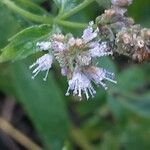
23, 44
8, 25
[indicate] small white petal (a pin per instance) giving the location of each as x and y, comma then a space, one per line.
89, 34
71, 41
64, 71
44, 63
99, 75
44, 45
99, 49
80, 84
58, 46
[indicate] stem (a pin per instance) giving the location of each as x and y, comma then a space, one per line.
76, 9
26, 14
49, 19
32, 4
71, 24
80, 139
17, 135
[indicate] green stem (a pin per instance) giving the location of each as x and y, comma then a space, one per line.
26, 14
71, 24
32, 4
48, 19
76, 9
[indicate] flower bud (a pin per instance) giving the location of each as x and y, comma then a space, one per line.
121, 3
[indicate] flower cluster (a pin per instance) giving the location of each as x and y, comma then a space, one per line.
76, 58
113, 32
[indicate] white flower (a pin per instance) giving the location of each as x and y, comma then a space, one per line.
44, 45
64, 71
58, 46
44, 63
84, 59
71, 41
80, 83
99, 49
97, 75
89, 34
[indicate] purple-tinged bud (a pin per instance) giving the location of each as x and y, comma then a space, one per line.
44, 45
122, 3
64, 71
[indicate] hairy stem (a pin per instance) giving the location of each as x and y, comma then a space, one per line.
26, 14
41, 19
71, 24
32, 4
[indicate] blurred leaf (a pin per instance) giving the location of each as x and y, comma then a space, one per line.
107, 63
140, 16
111, 141
104, 3
116, 108
138, 104
23, 44
136, 136
44, 103
6, 83
8, 25
131, 79
31, 7
130, 93
38, 1
85, 108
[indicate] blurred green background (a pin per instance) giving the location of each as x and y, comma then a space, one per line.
117, 119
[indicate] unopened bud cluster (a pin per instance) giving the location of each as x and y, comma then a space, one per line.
126, 37
76, 58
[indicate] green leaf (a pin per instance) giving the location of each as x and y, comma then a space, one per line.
110, 141
6, 83
107, 63
23, 44
104, 3
44, 103
8, 25
140, 16
117, 109
138, 104
136, 136
131, 93
38, 1
131, 79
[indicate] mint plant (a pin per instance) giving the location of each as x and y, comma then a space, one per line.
114, 32
69, 41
